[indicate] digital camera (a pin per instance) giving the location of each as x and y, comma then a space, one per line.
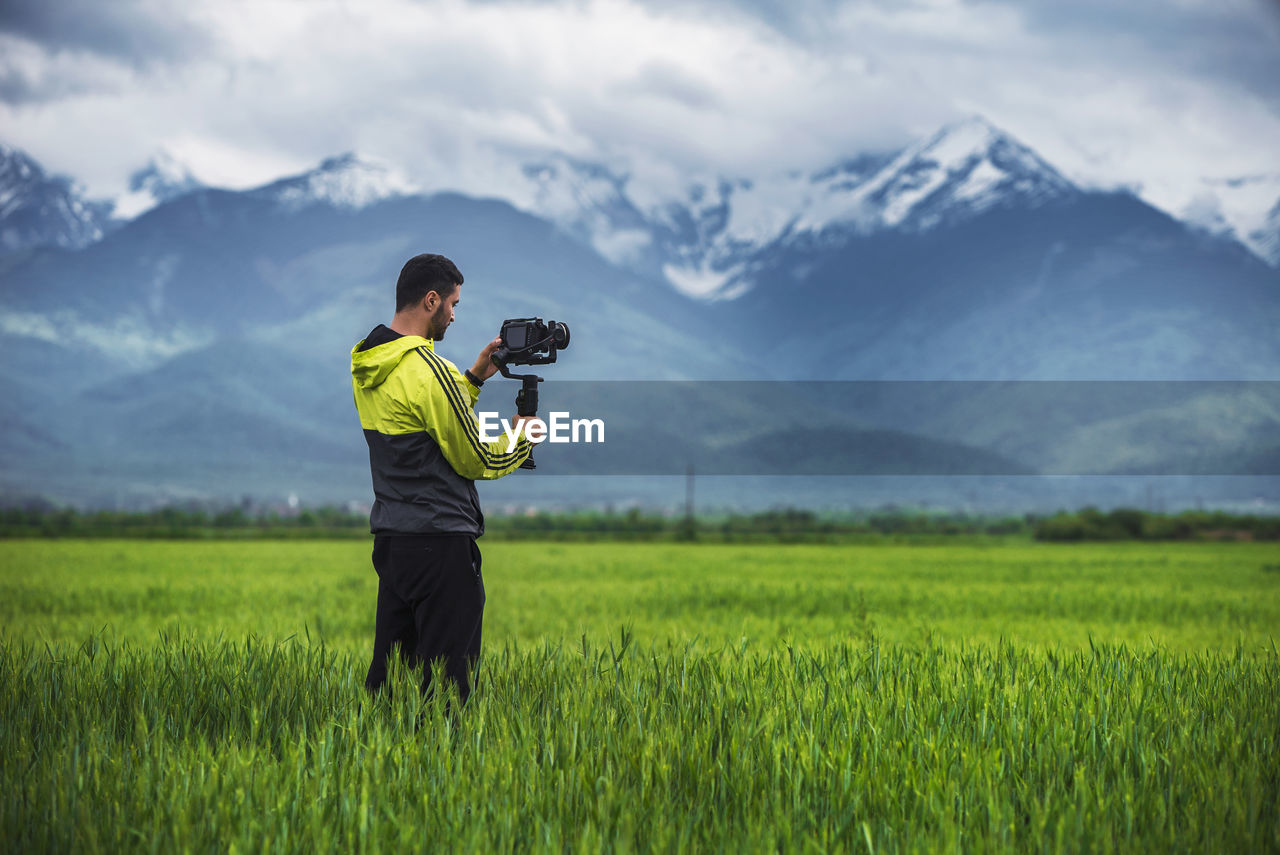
530, 341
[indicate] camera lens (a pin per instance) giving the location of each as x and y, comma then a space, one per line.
560, 334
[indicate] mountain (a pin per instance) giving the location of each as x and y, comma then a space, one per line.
964, 170
1077, 427
323, 249
968, 257
962, 256
204, 344
702, 242
41, 210
201, 347
706, 243
345, 182
1088, 287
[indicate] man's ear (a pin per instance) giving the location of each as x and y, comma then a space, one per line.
429, 301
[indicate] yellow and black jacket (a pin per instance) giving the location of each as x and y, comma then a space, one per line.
425, 449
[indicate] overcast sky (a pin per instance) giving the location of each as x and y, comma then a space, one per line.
1157, 93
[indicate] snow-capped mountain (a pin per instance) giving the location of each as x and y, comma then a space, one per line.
203, 346
37, 209
162, 179
590, 203
703, 243
345, 181
1246, 209
963, 170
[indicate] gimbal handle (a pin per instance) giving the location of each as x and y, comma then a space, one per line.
526, 399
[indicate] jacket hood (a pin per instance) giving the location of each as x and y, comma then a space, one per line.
371, 367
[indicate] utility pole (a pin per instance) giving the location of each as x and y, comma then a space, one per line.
688, 496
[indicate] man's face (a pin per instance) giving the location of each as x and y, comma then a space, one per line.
439, 320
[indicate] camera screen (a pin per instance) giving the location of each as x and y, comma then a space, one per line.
516, 338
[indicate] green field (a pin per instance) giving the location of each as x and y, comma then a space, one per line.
161, 696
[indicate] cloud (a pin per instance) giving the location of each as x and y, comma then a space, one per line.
666, 80
433, 85
140, 32
30, 74
1233, 43
1153, 92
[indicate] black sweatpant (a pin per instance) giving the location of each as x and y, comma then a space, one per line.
430, 605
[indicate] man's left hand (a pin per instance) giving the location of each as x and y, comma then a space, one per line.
484, 367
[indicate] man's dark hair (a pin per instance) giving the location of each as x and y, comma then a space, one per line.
423, 273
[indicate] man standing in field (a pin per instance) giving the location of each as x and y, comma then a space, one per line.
425, 454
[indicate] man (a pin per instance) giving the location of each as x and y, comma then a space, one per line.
425, 454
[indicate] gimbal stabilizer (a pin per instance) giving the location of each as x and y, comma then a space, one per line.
529, 341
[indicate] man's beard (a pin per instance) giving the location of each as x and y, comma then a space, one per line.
438, 323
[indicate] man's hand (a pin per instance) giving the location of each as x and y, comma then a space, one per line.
484, 367
531, 428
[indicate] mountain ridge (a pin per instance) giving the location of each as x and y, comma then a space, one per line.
156, 353
699, 239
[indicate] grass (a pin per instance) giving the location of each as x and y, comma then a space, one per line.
1188, 597
206, 697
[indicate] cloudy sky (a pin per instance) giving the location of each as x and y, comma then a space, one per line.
1157, 94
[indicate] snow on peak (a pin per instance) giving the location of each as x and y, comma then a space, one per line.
587, 201
1245, 208
345, 181
163, 173
964, 169
562, 187
162, 179
1265, 240
19, 176
17, 167
961, 171
37, 209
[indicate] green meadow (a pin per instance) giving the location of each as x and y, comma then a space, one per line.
968, 696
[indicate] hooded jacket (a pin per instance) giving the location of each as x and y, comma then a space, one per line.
425, 448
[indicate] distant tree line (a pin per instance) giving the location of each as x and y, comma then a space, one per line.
788, 525
233, 522
1133, 524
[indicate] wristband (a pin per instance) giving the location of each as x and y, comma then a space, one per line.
472, 379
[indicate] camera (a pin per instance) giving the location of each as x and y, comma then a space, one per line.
530, 341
